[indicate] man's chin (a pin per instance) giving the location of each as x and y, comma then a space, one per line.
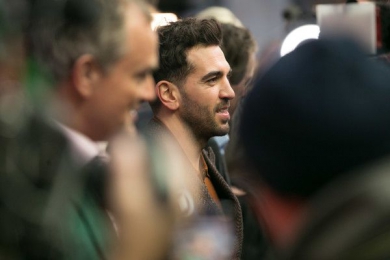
223, 130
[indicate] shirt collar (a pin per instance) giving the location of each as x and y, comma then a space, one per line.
83, 149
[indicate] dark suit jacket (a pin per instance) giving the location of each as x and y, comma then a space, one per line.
45, 210
230, 204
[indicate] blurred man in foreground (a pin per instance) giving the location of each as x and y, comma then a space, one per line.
100, 70
315, 130
98, 58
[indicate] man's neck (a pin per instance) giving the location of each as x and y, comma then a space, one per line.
191, 147
66, 109
64, 114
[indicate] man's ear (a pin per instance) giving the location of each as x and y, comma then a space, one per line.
168, 93
85, 74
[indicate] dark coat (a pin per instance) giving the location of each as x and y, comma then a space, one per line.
45, 210
230, 204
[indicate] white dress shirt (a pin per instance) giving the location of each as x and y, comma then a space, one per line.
82, 148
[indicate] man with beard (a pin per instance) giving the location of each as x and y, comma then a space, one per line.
194, 94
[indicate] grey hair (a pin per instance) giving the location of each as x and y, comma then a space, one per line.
77, 27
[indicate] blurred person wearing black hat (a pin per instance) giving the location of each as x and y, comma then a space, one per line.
315, 131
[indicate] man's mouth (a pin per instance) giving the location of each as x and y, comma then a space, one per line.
223, 107
224, 112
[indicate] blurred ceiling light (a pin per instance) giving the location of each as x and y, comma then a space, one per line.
298, 35
161, 19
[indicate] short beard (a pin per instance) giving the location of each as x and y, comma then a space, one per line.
200, 120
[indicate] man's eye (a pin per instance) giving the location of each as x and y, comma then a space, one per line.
141, 76
212, 80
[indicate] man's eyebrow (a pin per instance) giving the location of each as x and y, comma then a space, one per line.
212, 74
149, 70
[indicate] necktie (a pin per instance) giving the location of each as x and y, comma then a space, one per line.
96, 172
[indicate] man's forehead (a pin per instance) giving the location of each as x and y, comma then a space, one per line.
135, 15
207, 58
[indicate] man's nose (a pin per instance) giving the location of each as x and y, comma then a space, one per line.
148, 92
226, 91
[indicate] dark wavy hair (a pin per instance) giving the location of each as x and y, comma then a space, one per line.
176, 39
